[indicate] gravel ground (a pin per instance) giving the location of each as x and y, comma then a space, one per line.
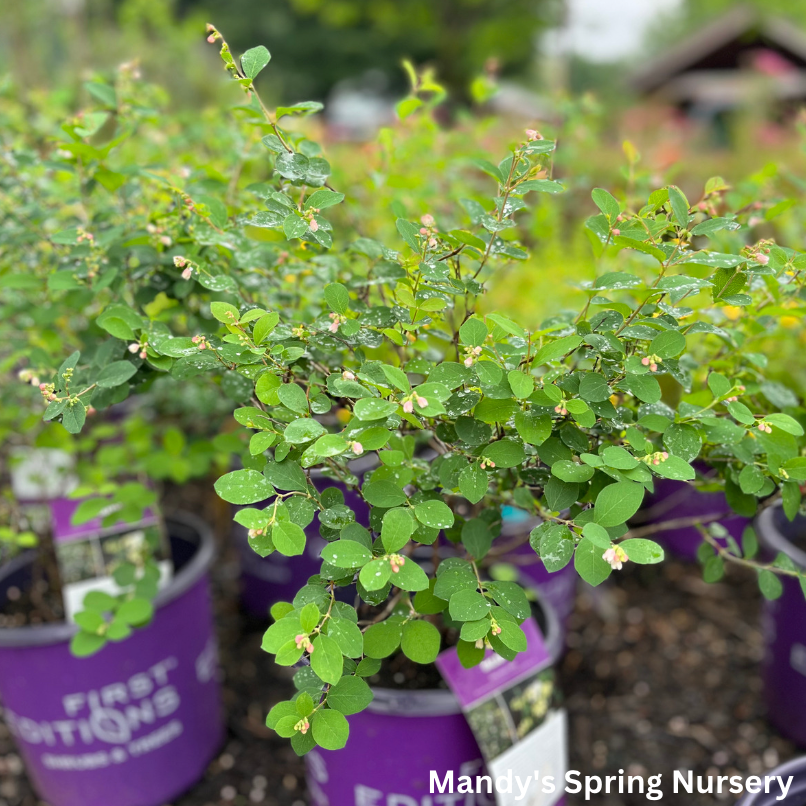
662, 673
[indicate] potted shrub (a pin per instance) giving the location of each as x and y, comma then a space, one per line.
568, 422
138, 721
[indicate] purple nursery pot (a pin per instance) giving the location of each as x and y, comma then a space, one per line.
277, 578
796, 796
137, 723
679, 499
426, 731
785, 628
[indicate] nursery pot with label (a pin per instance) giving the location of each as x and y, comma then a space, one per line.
427, 732
135, 724
785, 628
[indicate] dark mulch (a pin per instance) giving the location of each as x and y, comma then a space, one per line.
662, 673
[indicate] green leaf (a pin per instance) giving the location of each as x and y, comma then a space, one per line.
254, 60
323, 198
224, 312
468, 605
435, 514
597, 535
593, 388
473, 332
385, 494
375, 575
785, 423
303, 430
330, 729
368, 409
534, 429
556, 349
74, 416
751, 479
115, 374
683, 440
556, 547
668, 344
264, 326
243, 487
136, 612
641, 551
473, 483
719, 384
288, 538
294, 226
326, 659
293, 397
617, 503
382, 639
410, 577
606, 203
84, 644
301, 109
589, 563
346, 554
674, 468
769, 584
505, 453
680, 206
309, 617
396, 529
410, 233
350, 695
512, 597
337, 298
285, 475
570, 471
522, 385
420, 641
347, 635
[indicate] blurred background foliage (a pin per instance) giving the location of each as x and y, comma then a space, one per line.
503, 68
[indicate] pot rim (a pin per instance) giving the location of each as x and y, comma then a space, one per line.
442, 701
795, 767
771, 536
191, 573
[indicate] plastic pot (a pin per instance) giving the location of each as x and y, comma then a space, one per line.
785, 629
797, 791
137, 723
277, 578
396, 742
678, 499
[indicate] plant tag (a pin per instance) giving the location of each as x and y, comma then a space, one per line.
511, 709
88, 554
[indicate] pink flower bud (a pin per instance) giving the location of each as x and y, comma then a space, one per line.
531, 134
203, 345
187, 273
645, 361
42, 387
133, 348
616, 231
428, 220
314, 226
347, 375
468, 362
143, 354
334, 326
408, 406
762, 258
423, 231
653, 367
422, 402
358, 448
211, 38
